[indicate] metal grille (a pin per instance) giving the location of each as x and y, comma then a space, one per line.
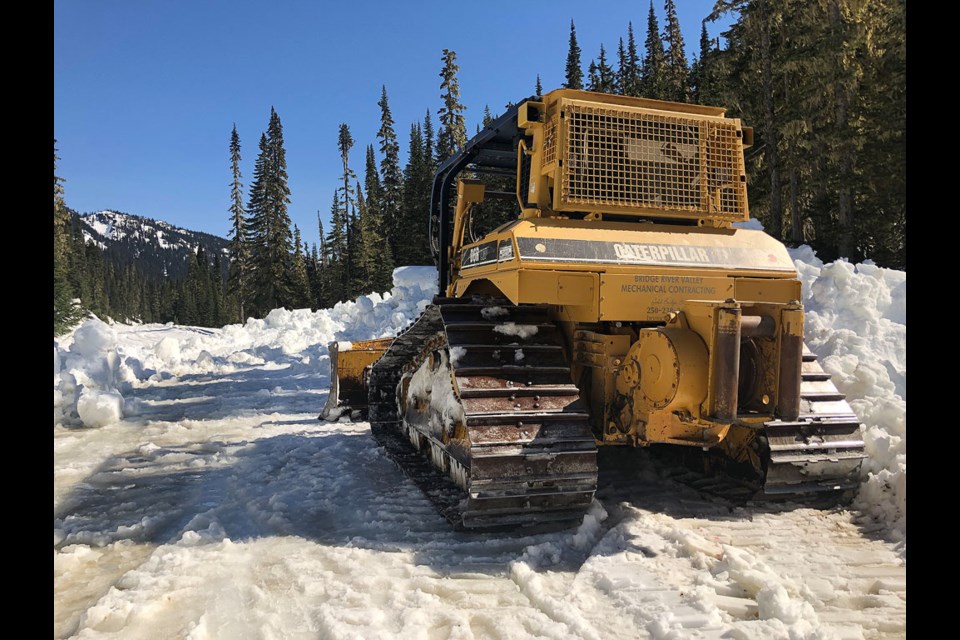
550, 142
665, 162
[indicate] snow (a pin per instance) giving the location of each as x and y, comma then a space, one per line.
456, 353
432, 384
856, 323
99, 408
523, 331
102, 223
197, 496
752, 223
491, 313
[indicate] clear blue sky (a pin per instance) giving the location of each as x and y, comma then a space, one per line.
146, 92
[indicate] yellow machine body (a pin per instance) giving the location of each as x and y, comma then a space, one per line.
677, 326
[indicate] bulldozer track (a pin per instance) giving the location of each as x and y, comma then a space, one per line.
526, 455
821, 450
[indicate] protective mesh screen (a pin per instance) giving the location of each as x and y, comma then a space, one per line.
550, 141
664, 162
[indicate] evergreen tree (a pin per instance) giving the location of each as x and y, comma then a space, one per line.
574, 71
418, 183
356, 282
593, 78
705, 73
347, 212
677, 72
377, 256
203, 289
620, 75
336, 253
453, 130
428, 146
413, 210
64, 311
371, 183
239, 243
344, 144
538, 89
653, 80
302, 296
322, 279
271, 238
603, 78
390, 200
217, 297
630, 76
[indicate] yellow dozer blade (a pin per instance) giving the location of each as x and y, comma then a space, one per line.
348, 367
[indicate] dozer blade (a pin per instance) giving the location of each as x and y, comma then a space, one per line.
348, 367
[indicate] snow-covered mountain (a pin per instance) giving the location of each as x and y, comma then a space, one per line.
157, 246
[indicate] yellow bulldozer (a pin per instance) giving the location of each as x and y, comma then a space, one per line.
617, 304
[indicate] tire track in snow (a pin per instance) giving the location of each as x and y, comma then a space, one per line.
766, 569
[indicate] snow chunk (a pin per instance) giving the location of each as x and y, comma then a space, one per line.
100, 408
523, 331
423, 278
489, 313
93, 338
168, 350
456, 353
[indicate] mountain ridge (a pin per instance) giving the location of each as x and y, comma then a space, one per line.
158, 247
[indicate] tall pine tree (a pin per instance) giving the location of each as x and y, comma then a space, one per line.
602, 77
705, 74
574, 70
415, 203
653, 80
630, 77
677, 72
453, 129
376, 256
239, 243
391, 181
269, 223
347, 206
64, 312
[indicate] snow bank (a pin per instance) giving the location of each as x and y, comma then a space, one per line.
856, 323
91, 372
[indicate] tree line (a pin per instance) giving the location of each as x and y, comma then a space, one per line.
823, 84
374, 224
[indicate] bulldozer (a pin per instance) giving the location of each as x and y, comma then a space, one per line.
617, 304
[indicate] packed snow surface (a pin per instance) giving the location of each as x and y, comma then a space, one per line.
197, 496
